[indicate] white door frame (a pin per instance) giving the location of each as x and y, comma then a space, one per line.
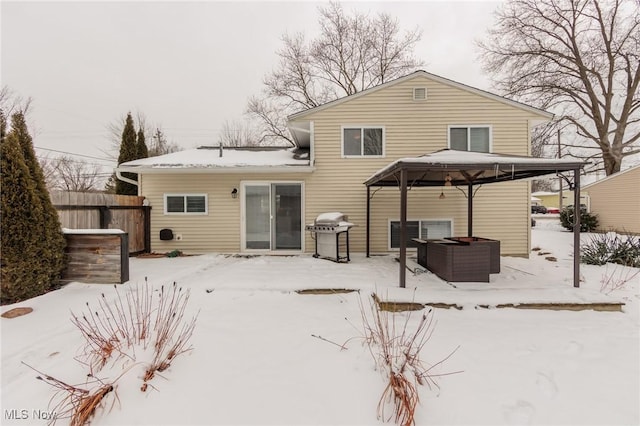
243, 223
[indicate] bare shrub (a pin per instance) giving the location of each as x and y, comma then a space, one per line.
617, 279
396, 350
78, 404
141, 328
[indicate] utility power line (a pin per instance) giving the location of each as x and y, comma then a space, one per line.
78, 155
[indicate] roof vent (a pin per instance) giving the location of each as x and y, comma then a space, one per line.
419, 93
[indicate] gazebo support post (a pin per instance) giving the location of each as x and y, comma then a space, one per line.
576, 228
403, 227
368, 230
470, 210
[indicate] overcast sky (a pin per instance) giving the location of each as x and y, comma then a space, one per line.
188, 66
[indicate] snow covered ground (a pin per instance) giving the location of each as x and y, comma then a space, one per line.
255, 361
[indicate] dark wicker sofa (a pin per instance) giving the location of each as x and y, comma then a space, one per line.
494, 250
458, 260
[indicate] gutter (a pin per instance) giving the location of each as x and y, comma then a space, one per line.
124, 179
195, 170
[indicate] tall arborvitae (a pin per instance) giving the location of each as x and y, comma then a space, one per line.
3, 125
52, 241
141, 146
24, 270
128, 152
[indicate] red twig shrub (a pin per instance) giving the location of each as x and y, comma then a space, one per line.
396, 349
145, 327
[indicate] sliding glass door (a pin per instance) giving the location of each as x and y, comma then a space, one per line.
272, 216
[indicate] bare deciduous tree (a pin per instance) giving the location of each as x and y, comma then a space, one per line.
238, 133
352, 53
158, 145
67, 174
10, 102
580, 56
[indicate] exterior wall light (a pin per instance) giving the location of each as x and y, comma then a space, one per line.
234, 193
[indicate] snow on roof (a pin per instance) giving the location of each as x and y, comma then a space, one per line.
463, 167
91, 231
210, 158
451, 156
543, 193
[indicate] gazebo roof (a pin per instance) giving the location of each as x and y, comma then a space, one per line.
464, 168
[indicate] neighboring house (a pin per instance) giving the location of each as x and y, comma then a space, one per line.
552, 199
616, 201
547, 198
340, 145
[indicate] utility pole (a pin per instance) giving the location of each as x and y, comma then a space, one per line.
559, 178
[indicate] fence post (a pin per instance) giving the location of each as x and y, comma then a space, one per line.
105, 217
147, 228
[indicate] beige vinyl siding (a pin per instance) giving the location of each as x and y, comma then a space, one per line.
616, 201
413, 128
550, 200
219, 230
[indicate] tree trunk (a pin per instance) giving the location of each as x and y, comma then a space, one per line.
612, 162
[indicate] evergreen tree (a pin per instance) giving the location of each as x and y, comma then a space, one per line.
3, 125
52, 240
128, 152
141, 146
24, 268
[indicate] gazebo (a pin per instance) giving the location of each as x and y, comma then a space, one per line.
467, 169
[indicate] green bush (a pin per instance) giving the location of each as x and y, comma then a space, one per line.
588, 221
611, 248
32, 251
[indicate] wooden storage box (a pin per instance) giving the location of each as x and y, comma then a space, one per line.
97, 256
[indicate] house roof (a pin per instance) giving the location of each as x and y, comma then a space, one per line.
543, 193
227, 160
420, 73
463, 168
613, 176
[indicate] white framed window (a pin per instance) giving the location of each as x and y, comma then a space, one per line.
422, 228
185, 204
475, 138
363, 141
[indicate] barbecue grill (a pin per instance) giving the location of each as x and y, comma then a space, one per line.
327, 230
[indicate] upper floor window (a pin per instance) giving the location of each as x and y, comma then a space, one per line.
360, 141
185, 203
470, 138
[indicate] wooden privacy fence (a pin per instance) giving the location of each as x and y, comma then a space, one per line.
95, 210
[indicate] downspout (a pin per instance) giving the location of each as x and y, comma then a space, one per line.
124, 179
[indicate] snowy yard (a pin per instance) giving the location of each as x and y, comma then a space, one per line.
254, 360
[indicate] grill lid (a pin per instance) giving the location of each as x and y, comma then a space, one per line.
332, 222
331, 218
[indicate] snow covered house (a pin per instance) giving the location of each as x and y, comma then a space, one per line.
616, 201
259, 200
